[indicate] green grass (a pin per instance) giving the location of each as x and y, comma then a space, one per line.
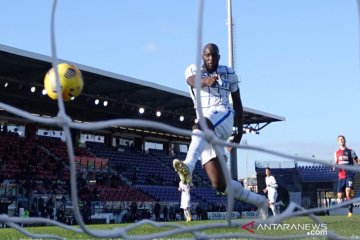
341, 225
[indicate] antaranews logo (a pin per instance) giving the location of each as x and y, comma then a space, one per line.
249, 227
311, 229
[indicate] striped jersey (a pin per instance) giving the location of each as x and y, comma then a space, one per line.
344, 157
218, 93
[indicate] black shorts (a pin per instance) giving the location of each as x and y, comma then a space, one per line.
346, 182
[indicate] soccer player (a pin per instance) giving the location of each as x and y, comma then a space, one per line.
218, 82
345, 156
185, 200
271, 190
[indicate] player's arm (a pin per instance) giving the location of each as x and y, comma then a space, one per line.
205, 81
190, 76
355, 157
273, 182
238, 116
266, 188
336, 161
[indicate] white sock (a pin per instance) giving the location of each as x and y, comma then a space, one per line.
196, 147
273, 209
242, 194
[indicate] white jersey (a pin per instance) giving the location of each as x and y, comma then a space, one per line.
185, 195
271, 184
218, 93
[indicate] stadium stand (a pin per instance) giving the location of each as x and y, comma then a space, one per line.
152, 173
319, 173
40, 169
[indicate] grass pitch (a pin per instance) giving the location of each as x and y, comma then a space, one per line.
341, 225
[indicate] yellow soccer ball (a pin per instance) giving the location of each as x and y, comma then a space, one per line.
71, 82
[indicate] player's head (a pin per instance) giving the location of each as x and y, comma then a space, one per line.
211, 57
267, 171
341, 140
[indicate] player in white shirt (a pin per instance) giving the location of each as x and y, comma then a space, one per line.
185, 200
271, 190
217, 84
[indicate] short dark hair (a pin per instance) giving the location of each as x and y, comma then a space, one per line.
268, 168
341, 136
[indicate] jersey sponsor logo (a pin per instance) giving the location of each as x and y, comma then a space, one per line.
343, 158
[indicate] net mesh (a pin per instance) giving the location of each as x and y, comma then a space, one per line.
66, 123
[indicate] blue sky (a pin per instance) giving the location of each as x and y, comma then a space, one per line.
296, 59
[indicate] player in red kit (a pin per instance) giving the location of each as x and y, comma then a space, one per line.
345, 156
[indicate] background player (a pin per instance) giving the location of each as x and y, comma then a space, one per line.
345, 156
271, 190
185, 200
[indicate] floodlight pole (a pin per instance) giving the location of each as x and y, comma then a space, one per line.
230, 34
233, 152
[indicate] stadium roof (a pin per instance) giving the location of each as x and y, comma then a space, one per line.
22, 69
